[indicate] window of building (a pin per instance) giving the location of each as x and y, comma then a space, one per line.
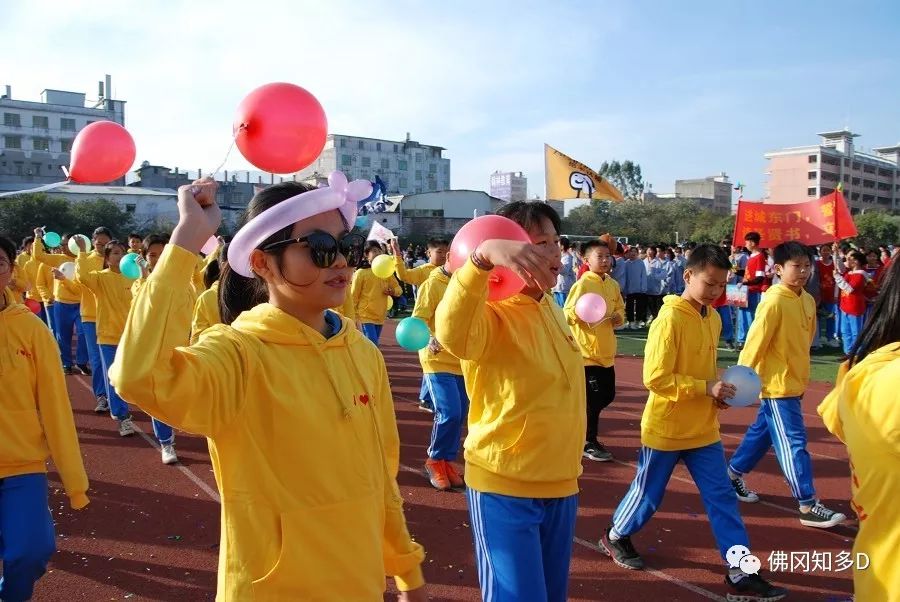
418, 157
12, 141
343, 143
360, 144
846, 162
35, 169
846, 177
403, 183
67, 125
130, 208
432, 168
20, 168
868, 184
378, 146
346, 160
868, 198
813, 159
66, 145
12, 120
418, 176
868, 169
855, 196
810, 192
366, 162
41, 144
884, 200
855, 165
90, 121
856, 181
396, 149
385, 164
811, 175
401, 164
40, 122
885, 172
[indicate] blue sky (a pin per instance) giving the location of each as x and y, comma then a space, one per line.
686, 89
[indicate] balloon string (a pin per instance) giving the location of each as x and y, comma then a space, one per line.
213, 173
43, 188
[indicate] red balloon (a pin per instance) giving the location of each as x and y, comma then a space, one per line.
503, 283
280, 127
102, 152
33, 305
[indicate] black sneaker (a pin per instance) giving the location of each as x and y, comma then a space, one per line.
753, 588
743, 493
821, 517
622, 552
596, 452
426, 405
730, 346
68, 370
84, 369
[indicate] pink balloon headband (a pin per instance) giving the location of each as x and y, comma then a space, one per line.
339, 194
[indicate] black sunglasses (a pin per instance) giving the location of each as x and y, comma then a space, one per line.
324, 248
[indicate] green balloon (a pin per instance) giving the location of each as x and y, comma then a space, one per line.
129, 268
52, 239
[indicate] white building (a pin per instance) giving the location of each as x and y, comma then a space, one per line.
509, 186
147, 206
36, 137
407, 167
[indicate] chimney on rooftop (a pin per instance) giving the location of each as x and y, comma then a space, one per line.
8, 95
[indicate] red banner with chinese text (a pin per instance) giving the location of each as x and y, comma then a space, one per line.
822, 220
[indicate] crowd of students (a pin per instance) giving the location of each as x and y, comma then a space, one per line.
280, 329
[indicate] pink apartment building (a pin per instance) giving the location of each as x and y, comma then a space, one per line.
871, 180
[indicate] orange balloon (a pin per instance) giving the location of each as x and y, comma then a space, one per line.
280, 127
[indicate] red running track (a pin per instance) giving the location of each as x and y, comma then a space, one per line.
151, 531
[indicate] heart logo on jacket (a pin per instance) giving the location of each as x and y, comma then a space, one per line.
364, 399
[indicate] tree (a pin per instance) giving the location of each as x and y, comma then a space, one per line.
625, 176
715, 230
875, 228
20, 215
101, 212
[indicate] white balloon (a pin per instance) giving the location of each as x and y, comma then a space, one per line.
68, 270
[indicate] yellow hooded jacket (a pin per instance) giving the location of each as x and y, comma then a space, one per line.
206, 312
369, 299
95, 263
113, 293
414, 276
525, 380
778, 342
679, 360
597, 343
429, 296
64, 291
37, 417
862, 411
306, 449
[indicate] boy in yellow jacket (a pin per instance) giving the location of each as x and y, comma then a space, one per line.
680, 423
370, 295
325, 529
777, 348
862, 411
35, 422
597, 341
525, 378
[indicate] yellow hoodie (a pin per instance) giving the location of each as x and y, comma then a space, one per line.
778, 342
65, 291
41, 280
680, 358
414, 276
369, 299
18, 284
862, 411
113, 293
206, 312
36, 419
598, 344
429, 296
88, 303
306, 449
525, 380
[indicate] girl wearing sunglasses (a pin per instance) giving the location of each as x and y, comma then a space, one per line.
294, 401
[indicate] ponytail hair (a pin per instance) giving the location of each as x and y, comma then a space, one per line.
214, 268
238, 294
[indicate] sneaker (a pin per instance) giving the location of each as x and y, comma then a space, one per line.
596, 452
820, 517
102, 405
126, 427
753, 588
68, 370
426, 405
641, 325
729, 345
436, 472
84, 369
168, 454
456, 480
833, 343
621, 551
743, 493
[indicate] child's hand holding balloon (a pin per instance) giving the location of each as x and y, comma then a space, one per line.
199, 215
528, 261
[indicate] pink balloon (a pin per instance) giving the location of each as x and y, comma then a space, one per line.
590, 307
210, 245
280, 127
102, 152
503, 282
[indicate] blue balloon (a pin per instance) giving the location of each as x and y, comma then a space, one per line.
747, 383
52, 239
413, 334
361, 222
129, 268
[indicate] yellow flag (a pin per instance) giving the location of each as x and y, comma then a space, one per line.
568, 179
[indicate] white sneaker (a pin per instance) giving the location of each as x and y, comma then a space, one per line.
168, 454
102, 405
833, 343
126, 428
